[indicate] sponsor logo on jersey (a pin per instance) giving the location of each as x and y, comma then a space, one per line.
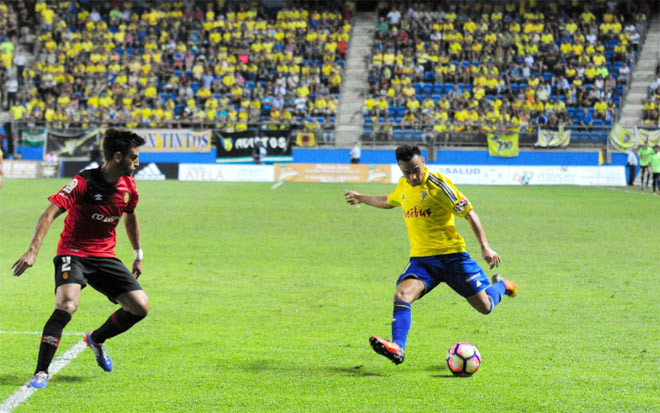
150, 173
70, 186
460, 206
103, 218
98, 197
127, 197
417, 213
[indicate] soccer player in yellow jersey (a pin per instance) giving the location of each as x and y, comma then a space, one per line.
429, 202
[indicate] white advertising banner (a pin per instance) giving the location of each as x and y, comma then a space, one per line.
528, 175
21, 169
226, 173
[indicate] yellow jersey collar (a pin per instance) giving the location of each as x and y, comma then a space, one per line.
426, 175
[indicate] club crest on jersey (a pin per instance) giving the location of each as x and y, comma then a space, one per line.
98, 197
70, 186
127, 197
461, 205
423, 195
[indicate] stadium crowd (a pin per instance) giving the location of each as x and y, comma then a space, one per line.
651, 112
224, 65
476, 66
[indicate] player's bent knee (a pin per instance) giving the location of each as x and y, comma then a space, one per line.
141, 307
68, 306
135, 302
405, 296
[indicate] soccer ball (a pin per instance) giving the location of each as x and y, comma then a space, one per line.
463, 359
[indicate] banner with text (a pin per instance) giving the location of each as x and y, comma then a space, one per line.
225, 173
239, 146
175, 140
528, 175
301, 172
553, 138
504, 145
621, 138
29, 169
73, 144
652, 136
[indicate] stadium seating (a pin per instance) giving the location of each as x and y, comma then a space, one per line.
226, 67
485, 65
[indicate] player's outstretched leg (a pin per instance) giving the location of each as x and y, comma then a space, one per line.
511, 287
388, 349
50, 340
102, 358
40, 380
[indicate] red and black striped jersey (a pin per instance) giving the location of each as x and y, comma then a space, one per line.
94, 208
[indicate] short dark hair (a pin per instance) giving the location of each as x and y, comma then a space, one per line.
120, 140
406, 152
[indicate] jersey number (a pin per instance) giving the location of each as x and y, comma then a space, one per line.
66, 264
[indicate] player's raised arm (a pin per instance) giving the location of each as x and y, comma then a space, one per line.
378, 201
27, 260
492, 258
133, 230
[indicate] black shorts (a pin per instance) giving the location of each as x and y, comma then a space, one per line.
106, 275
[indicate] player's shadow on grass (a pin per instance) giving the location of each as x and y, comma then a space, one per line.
18, 381
71, 379
355, 371
13, 380
446, 375
273, 365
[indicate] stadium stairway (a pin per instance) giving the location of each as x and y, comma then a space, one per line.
354, 84
642, 75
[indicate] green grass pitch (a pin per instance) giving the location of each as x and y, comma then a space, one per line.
264, 300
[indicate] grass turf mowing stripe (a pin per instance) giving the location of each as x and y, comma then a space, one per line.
25, 391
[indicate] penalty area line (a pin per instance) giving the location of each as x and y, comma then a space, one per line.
25, 391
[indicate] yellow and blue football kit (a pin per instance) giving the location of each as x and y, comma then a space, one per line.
437, 252
429, 210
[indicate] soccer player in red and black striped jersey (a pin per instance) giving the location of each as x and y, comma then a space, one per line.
95, 200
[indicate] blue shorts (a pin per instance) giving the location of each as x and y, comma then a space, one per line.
458, 270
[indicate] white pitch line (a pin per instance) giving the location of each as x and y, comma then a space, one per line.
38, 332
25, 391
277, 184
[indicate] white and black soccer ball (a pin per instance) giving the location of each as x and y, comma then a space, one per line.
463, 359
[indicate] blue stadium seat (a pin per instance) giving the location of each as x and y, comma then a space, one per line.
427, 88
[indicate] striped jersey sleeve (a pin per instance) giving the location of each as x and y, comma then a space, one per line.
447, 195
